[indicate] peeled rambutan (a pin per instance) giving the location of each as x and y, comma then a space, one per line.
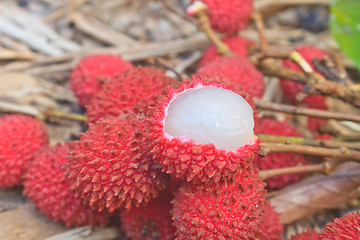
239, 70
47, 187
346, 227
230, 209
203, 131
111, 166
21, 137
237, 45
92, 71
270, 227
228, 16
279, 160
152, 221
134, 90
306, 235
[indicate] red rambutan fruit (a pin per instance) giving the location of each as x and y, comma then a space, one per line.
228, 16
279, 160
203, 131
47, 187
230, 209
242, 74
111, 166
237, 45
21, 137
306, 235
347, 227
134, 90
152, 221
92, 71
270, 227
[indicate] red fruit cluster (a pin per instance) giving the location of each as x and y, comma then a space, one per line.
184, 158
279, 160
92, 71
240, 72
134, 90
270, 226
347, 227
21, 137
47, 187
112, 167
306, 235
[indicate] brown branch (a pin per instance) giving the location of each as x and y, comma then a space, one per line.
259, 24
261, 104
342, 152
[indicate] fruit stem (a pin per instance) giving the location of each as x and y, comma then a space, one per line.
259, 24
48, 113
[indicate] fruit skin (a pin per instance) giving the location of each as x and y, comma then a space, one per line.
237, 45
47, 187
306, 235
347, 227
183, 158
111, 166
229, 16
152, 221
21, 137
270, 226
230, 209
279, 160
134, 90
242, 74
92, 71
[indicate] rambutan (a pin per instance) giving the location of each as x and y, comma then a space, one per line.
242, 74
134, 90
270, 227
347, 227
237, 45
306, 235
279, 160
230, 209
111, 165
203, 131
47, 187
21, 137
228, 16
152, 221
92, 71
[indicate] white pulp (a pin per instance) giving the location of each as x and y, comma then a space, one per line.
211, 115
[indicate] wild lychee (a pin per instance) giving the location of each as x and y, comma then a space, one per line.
111, 165
237, 45
279, 160
230, 209
134, 90
270, 227
347, 227
228, 16
21, 137
92, 71
306, 235
243, 75
149, 222
204, 131
47, 187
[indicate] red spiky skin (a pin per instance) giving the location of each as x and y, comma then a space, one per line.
291, 89
279, 160
227, 210
229, 16
92, 71
306, 235
270, 227
134, 90
237, 45
239, 70
21, 137
185, 159
111, 165
347, 227
149, 222
47, 187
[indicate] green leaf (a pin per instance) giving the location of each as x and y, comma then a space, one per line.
345, 27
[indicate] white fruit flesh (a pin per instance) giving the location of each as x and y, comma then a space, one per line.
211, 115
